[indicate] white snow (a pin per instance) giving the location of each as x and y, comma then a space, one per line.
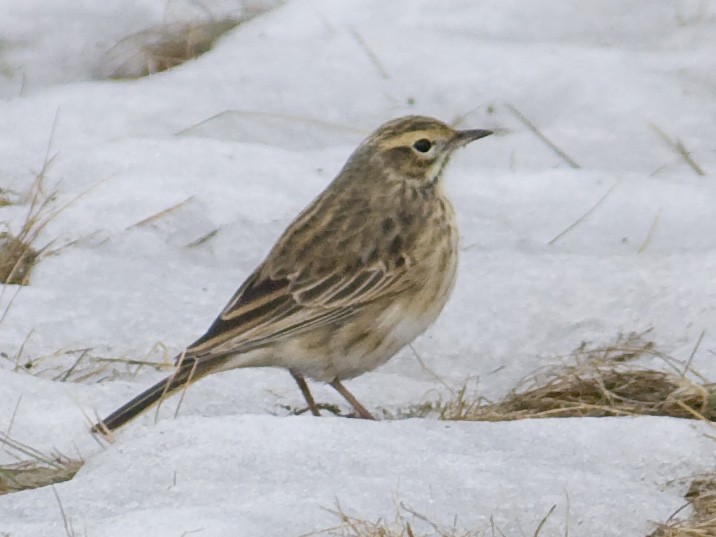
249, 133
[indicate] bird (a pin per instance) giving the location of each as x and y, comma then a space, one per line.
362, 271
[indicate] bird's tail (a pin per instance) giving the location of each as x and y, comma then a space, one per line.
184, 374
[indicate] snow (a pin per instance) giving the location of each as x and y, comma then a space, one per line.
249, 133
259, 475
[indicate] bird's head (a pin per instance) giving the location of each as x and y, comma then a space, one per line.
415, 148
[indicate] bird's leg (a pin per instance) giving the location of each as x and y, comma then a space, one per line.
303, 386
348, 396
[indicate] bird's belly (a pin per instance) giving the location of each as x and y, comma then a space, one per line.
358, 347
393, 330
367, 340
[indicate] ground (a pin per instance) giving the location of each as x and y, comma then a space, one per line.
184, 178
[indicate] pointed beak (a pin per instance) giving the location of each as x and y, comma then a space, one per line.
465, 137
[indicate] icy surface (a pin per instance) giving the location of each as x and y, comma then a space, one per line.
241, 139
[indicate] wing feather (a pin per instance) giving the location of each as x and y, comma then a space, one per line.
267, 309
303, 285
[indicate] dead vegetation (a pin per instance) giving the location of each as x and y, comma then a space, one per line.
88, 365
162, 47
549, 143
600, 381
165, 46
34, 469
17, 258
679, 148
18, 253
398, 526
406, 522
18, 250
5, 197
701, 497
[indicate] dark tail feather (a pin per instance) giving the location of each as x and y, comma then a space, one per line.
186, 373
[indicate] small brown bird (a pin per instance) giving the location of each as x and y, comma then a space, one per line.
359, 274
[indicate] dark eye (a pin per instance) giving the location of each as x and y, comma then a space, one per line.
423, 145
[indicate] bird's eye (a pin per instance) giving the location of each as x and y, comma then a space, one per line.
423, 145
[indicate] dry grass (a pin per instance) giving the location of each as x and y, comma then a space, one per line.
18, 255
86, 365
406, 522
162, 47
18, 250
701, 496
549, 143
601, 381
584, 215
680, 149
403, 523
35, 469
17, 258
168, 45
66, 521
5, 198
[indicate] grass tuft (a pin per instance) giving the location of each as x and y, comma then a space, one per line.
602, 381
403, 523
36, 469
17, 258
18, 254
406, 522
701, 496
162, 47
592, 391
5, 198
169, 45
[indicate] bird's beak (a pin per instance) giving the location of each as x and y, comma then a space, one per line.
465, 137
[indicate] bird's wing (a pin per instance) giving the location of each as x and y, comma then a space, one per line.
268, 308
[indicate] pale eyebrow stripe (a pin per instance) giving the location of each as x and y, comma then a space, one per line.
406, 139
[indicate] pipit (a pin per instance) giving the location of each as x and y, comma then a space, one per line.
359, 274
